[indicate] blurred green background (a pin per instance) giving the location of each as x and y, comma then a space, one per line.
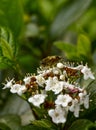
33, 29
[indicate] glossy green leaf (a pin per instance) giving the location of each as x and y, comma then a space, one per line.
11, 15
67, 16
92, 90
32, 127
12, 121
39, 113
69, 49
82, 124
84, 46
43, 123
5, 63
6, 49
7, 35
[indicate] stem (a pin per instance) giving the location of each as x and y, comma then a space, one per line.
18, 71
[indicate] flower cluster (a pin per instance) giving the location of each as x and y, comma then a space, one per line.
57, 88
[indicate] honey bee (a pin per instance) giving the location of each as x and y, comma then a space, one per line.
50, 61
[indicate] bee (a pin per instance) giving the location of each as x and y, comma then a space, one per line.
50, 61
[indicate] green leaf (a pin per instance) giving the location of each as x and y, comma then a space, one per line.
43, 123
92, 107
67, 48
29, 127
6, 38
39, 113
5, 63
82, 124
7, 35
4, 127
67, 16
84, 46
11, 15
32, 127
12, 121
91, 89
46, 8
6, 49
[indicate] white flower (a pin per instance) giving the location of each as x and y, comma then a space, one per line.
63, 100
27, 79
58, 87
40, 80
56, 70
84, 99
75, 107
87, 73
82, 95
54, 85
19, 89
67, 85
62, 77
9, 84
37, 99
58, 115
60, 65
49, 84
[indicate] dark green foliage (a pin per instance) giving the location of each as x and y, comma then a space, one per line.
31, 30
68, 15
11, 15
11, 121
79, 52
83, 124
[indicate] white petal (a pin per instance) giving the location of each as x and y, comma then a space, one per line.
62, 77
40, 80
63, 100
27, 79
86, 101
75, 107
87, 73
8, 84
38, 99
60, 65
58, 115
19, 89
49, 84
76, 110
15, 88
58, 87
